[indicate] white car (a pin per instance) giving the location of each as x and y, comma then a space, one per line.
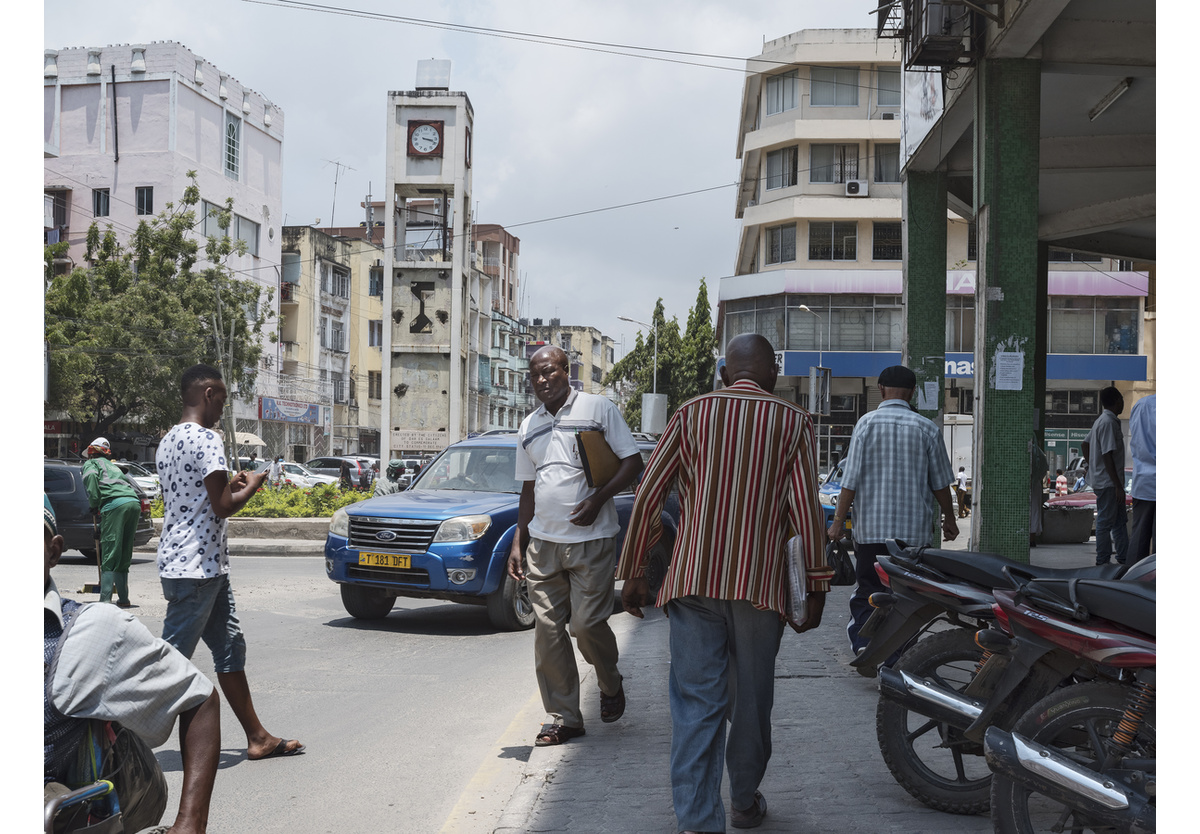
298, 475
144, 478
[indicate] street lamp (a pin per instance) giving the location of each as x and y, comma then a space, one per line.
654, 327
812, 395
820, 353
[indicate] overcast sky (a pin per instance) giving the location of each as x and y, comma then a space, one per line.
557, 130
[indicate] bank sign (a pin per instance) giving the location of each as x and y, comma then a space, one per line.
868, 364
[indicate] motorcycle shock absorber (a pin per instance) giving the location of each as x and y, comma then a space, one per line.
983, 658
1139, 704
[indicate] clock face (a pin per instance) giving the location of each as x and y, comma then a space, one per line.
425, 139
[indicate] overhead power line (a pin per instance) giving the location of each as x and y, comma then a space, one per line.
623, 49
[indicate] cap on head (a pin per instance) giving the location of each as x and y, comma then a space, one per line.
898, 376
48, 516
99, 446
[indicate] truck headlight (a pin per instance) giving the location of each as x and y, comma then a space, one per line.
339, 525
828, 499
464, 528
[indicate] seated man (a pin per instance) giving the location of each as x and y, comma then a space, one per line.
103, 665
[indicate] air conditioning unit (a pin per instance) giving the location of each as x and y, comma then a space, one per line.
888, 117
856, 188
751, 203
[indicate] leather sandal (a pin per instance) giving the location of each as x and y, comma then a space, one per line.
612, 707
553, 734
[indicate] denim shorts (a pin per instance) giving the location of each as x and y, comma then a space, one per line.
203, 609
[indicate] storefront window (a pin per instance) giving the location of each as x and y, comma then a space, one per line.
1093, 325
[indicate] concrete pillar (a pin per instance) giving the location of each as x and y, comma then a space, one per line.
1010, 305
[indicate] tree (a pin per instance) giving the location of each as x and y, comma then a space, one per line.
700, 346
685, 363
122, 330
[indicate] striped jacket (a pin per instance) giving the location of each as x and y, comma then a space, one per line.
747, 479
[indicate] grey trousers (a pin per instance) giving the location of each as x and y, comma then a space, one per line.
571, 581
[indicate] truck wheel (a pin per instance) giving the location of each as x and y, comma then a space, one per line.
367, 603
509, 607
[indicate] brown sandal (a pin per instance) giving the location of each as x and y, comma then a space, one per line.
612, 707
552, 734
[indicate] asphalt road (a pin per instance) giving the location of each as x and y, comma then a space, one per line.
421, 722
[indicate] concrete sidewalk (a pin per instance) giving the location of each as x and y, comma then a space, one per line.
826, 774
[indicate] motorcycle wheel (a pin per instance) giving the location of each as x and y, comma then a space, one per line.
1077, 721
930, 760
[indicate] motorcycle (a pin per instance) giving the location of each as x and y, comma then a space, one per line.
943, 686
1083, 757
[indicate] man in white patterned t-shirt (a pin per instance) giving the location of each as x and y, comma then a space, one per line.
193, 557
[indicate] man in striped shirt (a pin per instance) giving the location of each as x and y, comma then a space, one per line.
747, 481
898, 477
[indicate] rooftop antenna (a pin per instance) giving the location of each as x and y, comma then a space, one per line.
337, 172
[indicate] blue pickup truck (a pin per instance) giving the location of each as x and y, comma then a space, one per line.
448, 537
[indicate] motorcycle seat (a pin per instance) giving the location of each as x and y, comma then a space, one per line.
1129, 604
987, 569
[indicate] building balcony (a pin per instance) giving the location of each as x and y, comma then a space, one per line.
289, 293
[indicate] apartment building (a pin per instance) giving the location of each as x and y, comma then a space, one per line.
124, 124
591, 353
330, 380
819, 268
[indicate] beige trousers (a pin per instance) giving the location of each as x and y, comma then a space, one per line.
572, 582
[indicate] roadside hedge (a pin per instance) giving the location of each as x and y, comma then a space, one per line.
291, 502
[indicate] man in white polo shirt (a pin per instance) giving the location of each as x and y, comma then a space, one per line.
565, 533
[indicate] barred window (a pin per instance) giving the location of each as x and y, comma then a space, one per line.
833, 240
885, 242
781, 244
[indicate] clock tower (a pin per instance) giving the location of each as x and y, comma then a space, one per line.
427, 357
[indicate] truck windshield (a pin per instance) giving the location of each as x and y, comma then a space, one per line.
471, 468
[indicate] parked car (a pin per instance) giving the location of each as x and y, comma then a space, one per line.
63, 485
827, 494
1087, 498
297, 475
447, 537
359, 467
141, 476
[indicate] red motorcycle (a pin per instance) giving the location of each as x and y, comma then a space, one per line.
1083, 757
937, 691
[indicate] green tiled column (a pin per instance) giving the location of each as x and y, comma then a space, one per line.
1010, 304
924, 234
924, 231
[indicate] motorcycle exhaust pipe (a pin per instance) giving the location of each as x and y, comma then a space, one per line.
921, 696
1102, 799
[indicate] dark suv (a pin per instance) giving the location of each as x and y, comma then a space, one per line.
63, 484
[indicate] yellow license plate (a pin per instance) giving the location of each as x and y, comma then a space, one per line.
385, 560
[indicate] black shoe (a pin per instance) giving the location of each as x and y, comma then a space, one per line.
752, 817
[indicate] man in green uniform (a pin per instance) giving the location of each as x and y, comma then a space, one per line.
116, 502
390, 482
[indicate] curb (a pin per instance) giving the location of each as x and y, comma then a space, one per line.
519, 809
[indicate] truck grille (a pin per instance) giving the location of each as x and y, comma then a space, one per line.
407, 535
412, 576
